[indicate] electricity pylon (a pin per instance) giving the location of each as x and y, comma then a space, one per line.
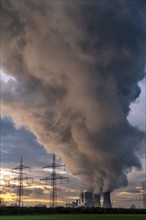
53, 178
20, 178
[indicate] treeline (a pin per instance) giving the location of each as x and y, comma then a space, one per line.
14, 210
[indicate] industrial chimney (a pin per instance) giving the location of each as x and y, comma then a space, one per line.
97, 200
106, 200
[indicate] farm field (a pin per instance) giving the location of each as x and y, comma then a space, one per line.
78, 217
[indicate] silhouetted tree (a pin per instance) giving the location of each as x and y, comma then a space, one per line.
2, 202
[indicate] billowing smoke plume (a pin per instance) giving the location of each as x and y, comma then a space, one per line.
77, 65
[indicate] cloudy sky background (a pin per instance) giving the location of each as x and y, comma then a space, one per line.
38, 74
20, 142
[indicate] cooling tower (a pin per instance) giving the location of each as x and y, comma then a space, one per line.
107, 200
89, 199
97, 200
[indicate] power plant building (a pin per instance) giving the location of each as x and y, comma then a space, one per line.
86, 199
89, 199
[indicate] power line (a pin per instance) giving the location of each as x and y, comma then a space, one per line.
53, 178
20, 180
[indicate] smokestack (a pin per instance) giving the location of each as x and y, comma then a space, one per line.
97, 200
107, 200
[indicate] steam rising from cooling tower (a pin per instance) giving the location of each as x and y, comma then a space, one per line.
107, 200
77, 66
97, 202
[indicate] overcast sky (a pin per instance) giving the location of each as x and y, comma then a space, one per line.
73, 84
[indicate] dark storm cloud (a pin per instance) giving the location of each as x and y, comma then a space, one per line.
77, 66
20, 142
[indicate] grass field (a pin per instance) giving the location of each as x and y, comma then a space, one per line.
78, 217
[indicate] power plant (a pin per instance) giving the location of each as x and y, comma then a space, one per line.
107, 200
87, 198
90, 199
71, 76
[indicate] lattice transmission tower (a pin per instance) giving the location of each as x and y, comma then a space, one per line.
20, 179
53, 178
